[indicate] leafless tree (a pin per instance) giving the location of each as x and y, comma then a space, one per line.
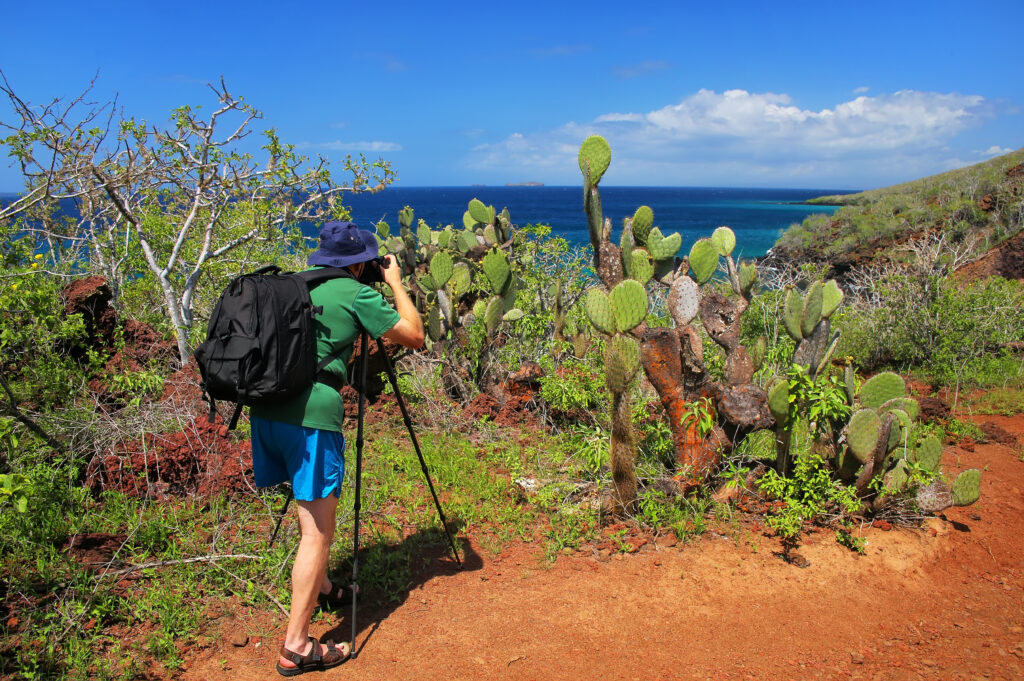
181, 197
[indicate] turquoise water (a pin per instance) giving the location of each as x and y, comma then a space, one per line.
758, 216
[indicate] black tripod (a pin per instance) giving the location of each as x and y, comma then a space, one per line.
393, 380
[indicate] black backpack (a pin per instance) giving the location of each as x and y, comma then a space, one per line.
260, 345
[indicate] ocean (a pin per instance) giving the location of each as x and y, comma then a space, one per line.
757, 216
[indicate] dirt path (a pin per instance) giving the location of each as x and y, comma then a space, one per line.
943, 603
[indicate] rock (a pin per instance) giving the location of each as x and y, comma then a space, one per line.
529, 373
239, 638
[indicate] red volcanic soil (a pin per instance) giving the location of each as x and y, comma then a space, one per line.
942, 602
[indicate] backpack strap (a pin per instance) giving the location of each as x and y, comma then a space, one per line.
312, 279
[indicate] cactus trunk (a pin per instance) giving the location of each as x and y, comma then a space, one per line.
623, 454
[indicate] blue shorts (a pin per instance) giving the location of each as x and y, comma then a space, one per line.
312, 459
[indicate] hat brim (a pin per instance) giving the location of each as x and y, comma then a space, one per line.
370, 251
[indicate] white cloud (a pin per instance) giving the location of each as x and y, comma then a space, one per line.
861, 90
338, 145
996, 150
737, 137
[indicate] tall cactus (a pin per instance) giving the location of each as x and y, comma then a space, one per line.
672, 358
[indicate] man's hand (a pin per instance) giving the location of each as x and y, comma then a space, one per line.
392, 273
409, 329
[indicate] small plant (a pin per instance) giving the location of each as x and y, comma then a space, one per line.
845, 537
700, 414
962, 430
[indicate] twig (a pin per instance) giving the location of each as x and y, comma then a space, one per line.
182, 561
12, 408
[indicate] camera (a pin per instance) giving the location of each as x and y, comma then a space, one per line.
373, 271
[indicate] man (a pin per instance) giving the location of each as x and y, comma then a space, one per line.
301, 440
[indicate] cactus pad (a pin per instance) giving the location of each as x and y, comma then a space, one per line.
896, 431
831, 297
425, 282
928, 453
811, 314
467, 220
491, 236
383, 229
849, 384
628, 301
757, 351
748, 276
480, 213
444, 237
405, 216
423, 233
881, 388
596, 155
663, 247
621, 362
493, 315
907, 405
466, 240
496, 269
462, 279
441, 268
434, 323
513, 315
724, 240
703, 260
444, 303
599, 310
967, 487
684, 300
643, 220
862, 433
778, 402
896, 479
480, 308
508, 298
641, 268
792, 312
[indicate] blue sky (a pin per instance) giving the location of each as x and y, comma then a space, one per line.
797, 94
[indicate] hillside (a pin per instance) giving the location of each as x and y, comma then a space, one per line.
980, 207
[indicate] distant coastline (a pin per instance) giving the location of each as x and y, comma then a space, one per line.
513, 184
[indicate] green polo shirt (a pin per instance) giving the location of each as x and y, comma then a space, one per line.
348, 307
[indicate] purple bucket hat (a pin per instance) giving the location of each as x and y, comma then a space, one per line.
342, 243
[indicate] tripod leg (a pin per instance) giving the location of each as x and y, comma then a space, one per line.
280, 518
365, 346
393, 379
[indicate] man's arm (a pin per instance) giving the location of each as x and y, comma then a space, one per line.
408, 331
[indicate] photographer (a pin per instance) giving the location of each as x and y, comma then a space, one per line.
301, 440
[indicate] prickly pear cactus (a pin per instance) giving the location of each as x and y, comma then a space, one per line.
643, 221
862, 433
967, 487
595, 157
703, 260
881, 388
724, 240
628, 301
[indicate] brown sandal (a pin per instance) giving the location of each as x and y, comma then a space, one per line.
316, 660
